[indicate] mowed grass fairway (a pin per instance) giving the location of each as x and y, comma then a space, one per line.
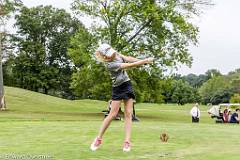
37, 124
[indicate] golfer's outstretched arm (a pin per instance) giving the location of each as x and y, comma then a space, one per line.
129, 58
237, 119
135, 64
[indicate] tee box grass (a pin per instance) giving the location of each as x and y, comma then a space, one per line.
41, 126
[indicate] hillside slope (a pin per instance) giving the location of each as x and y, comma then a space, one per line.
27, 105
24, 104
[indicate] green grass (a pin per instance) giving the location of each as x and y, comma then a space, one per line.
37, 124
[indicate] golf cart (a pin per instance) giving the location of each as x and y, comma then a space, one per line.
216, 111
120, 112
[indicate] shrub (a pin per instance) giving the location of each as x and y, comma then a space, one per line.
235, 98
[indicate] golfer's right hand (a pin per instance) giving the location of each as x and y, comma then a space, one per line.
149, 60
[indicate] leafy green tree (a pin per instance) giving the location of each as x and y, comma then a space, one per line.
90, 80
139, 28
86, 83
235, 80
183, 93
43, 36
147, 88
237, 71
235, 84
7, 71
213, 73
195, 81
221, 97
154, 28
166, 87
214, 89
6, 8
235, 98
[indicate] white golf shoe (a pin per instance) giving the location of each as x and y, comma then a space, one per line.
95, 144
126, 147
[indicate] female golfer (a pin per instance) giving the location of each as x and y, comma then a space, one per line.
116, 64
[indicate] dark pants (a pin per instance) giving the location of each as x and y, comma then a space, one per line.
195, 120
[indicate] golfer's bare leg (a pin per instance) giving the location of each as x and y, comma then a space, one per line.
128, 104
114, 111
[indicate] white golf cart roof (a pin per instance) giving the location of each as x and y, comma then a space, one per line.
229, 104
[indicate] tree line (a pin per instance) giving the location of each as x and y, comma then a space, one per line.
52, 52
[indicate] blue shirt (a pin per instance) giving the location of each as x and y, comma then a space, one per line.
233, 118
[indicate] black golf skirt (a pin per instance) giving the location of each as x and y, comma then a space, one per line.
123, 92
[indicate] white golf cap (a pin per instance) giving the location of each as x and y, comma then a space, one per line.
106, 50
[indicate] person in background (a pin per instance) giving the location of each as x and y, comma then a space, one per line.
229, 115
225, 115
195, 113
235, 118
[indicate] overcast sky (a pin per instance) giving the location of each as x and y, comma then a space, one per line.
219, 44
